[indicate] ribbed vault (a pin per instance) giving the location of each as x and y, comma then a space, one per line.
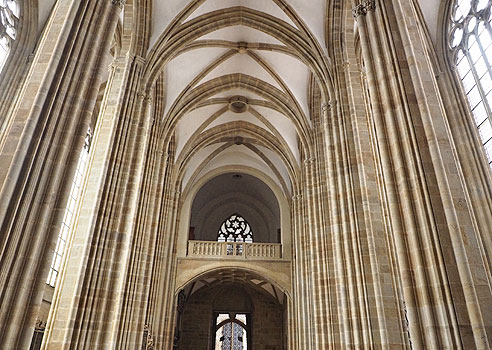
235, 82
238, 276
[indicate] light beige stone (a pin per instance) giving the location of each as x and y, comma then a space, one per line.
377, 215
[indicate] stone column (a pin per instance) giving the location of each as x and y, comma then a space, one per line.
296, 267
341, 224
398, 172
418, 188
39, 154
152, 266
137, 308
465, 240
400, 206
301, 272
162, 311
92, 296
319, 295
373, 296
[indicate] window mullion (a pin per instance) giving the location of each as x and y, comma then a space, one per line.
478, 84
481, 88
478, 89
482, 95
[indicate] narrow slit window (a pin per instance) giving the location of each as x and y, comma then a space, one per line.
69, 212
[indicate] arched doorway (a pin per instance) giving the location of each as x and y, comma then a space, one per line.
232, 310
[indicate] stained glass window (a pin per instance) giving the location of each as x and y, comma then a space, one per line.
470, 39
69, 212
231, 333
235, 229
9, 18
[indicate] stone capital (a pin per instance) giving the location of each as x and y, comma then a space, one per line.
439, 74
148, 99
325, 107
139, 60
119, 3
309, 161
142, 95
370, 5
39, 325
358, 11
363, 8
297, 197
30, 58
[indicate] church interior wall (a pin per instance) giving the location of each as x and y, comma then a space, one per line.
338, 129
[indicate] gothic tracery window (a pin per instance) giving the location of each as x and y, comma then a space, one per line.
9, 18
235, 229
470, 39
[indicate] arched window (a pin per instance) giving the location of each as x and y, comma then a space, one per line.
231, 332
9, 17
235, 229
470, 39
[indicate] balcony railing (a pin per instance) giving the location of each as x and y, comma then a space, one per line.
242, 250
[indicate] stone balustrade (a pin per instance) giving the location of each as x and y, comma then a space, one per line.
235, 250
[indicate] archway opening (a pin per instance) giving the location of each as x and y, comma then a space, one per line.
231, 309
235, 207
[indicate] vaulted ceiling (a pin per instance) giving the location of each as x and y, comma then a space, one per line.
239, 83
242, 82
